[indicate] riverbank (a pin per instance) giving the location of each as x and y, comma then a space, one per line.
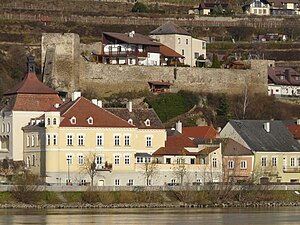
147, 199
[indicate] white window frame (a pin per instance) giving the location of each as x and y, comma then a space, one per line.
73, 120
99, 139
80, 159
130, 182
117, 182
90, 120
54, 121
80, 139
264, 161
48, 141
127, 140
149, 141
274, 161
48, 121
292, 162
54, 139
230, 164
69, 139
127, 159
117, 159
32, 140
27, 141
117, 140
69, 159
215, 162
8, 128
243, 164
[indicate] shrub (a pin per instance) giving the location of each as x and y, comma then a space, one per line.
139, 7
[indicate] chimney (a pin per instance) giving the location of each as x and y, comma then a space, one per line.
179, 127
75, 95
94, 101
129, 106
56, 105
99, 103
267, 126
131, 33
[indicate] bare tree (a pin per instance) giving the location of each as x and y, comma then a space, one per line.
180, 169
150, 169
89, 167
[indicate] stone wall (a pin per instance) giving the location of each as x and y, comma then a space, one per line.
115, 78
66, 70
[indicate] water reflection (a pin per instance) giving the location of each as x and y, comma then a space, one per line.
230, 216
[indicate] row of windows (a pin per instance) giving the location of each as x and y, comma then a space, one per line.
186, 41
99, 159
32, 140
274, 161
243, 164
5, 128
30, 161
99, 140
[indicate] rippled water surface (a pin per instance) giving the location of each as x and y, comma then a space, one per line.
230, 216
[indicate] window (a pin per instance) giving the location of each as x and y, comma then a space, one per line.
80, 140
274, 161
117, 140
130, 121
48, 139
28, 161
8, 127
48, 121
54, 139
80, 160
83, 182
147, 123
243, 164
182, 52
54, 121
117, 159
149, 182
168, 160
173, 181
214, 162
33, 160
282, 77
230, 164
148, 141
147, 160
3, 128
187, 41
90, 120
139, 159
292, 162
298, 161
73, 120
99, 160
32, 140
203, 45
127, 140
192, 161
69, 139
69, 159
99, 140
179, 41
196, 54
263, 161
127, 160
38, 140
117, 182
130, 182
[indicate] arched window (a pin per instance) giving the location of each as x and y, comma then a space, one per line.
54, 121
32, 140
3, 127
48, 121
8, 128
28, 161
130, 121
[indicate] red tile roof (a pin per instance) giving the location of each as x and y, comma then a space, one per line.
30, 85
232, 148
208, 150
168, 52
199, 132
295, 130
179, 141
82, 109
172, 151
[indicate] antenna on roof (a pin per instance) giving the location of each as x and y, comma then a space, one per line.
30, 64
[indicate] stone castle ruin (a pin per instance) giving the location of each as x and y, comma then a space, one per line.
65, 69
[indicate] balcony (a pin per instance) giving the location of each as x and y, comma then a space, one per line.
291, 170
104, 167
125, 53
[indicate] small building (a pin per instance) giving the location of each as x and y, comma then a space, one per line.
157, 86
207, 8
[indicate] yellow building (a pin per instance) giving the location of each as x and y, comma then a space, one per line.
73, 136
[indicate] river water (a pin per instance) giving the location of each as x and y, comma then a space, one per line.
182, 216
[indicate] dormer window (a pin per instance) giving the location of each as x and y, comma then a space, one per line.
130, 121
147, 123
90, 120
73, 120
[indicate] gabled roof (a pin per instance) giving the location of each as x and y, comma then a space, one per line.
169, 28
30, 85
295, 130
232, 148
134, 39
139, 116
168, 52
289, 74
208, 150
249, 2
279, 139
179, 141
172, 151
82, 109
199, 132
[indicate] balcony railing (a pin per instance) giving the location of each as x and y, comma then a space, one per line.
104, 167
125, 53
291, 170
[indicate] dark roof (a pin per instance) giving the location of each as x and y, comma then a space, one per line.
211, 5
173, 132
289, 74
169, 28
135, 39
139, 116
211, 141
208, 150
233, 148
179, 141
82, 109
279, 139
